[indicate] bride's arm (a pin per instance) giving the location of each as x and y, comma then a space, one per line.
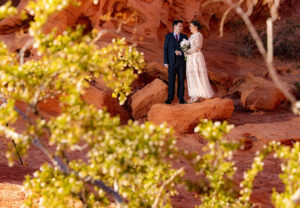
196, 44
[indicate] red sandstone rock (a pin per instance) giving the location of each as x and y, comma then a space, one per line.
156, 69
220, 78
183, 118
51, 106
262, 133
103, 99
250, 82
153, 93
264, 99
10, 25
154, 17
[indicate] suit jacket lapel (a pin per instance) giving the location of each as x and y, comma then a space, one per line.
180, 37
173, 39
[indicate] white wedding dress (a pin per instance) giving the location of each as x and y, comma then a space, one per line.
196, 72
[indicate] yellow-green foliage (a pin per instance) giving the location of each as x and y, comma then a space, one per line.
218, 168
6, 10
129, 158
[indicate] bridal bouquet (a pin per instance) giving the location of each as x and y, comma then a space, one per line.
185, 46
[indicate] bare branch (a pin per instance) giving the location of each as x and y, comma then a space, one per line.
226, 14
224, 18
263, 52
167, 182
269, 41
22, 51
119, 28
296, 197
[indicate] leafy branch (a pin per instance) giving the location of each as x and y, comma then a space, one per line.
57, 161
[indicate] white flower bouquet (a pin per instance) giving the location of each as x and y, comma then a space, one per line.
185, 46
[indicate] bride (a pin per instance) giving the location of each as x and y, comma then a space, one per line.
196, 72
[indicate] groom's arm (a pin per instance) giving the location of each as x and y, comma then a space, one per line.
166, 60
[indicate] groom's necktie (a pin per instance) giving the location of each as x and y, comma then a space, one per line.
177, 37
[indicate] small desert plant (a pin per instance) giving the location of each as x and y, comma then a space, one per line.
287, 43
217, 168
245, 45
236, 25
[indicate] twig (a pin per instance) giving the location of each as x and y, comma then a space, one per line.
226, 14
167, 182
224, 18
20, 159
296, 197
22, 51
117, 31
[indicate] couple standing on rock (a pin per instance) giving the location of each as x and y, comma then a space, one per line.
193, 67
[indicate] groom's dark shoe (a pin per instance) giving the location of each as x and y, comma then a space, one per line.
168, 101
182, 102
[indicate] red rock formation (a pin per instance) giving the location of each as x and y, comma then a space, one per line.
102, 98
264, 99
153, 93
156, 69
261, 134
153, 18
183, 118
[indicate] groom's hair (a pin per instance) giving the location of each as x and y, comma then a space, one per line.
175, 22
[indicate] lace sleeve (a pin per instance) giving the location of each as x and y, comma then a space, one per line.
196, 43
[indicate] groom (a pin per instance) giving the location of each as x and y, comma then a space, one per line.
175, 62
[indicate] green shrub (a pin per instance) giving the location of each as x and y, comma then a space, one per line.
287, 42
245, 45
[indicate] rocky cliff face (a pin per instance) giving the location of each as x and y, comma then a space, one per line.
153, 17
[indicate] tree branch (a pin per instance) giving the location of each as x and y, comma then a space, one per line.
58, 162
167, 182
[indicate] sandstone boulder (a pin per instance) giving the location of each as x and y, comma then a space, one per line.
258, 93
264, 99
250, 82
153, 93
51, 106
220, 78
10, 25
183, 118
285, 132
102, 98
158, 70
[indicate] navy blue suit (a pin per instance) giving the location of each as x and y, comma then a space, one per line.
177, 65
